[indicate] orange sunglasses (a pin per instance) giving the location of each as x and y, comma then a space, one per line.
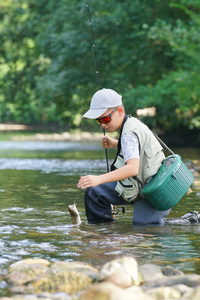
107, 119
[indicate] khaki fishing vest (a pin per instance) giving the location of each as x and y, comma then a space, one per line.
151, 157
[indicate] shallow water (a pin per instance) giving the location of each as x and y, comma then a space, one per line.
38, 182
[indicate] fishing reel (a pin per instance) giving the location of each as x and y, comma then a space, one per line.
114, 212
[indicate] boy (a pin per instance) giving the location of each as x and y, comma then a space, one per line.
138, 159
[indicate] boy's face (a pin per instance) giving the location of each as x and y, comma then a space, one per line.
114, 118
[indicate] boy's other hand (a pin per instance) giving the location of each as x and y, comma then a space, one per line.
108, 142
88, 181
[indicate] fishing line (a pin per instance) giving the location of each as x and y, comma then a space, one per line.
76, 196
97, 69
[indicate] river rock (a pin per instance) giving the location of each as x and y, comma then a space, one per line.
109, 291
59, 279
196, 174
25, 271
103, 291
183, 289
22, 297
122, 272
196, 184
194, 295
162, 293
118, 279
39, 276
150, 272
82, 267
136, 293
29, 261
170, 271
191, 280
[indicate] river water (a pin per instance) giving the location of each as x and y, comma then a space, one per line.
37, 183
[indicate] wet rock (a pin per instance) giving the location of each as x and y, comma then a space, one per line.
60, 279
29, 261
189, 191
46, 296
191, 280
62, 296
3, 284
196, 184
82, 267
122, 272
26, 297
195, 174
38, 276
170, 271
194, 295
3, 274
103, 291
162, 293
151, 272
193, 166
25, 271
118, 279
109, 291
136, 293
183, 289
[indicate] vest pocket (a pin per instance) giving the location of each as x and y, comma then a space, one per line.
128, 189
153, 157
119, 162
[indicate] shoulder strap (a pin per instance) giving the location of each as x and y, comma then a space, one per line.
119, 143
163, 144
119, 140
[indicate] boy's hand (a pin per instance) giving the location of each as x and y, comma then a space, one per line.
88, 181
108, 142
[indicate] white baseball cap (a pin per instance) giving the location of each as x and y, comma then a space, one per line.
101, 101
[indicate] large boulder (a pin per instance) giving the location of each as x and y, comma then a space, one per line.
194, 294
123, 272
109, 291
151, 272
37, 276
59, 280
162, 293
190, 280
23, 272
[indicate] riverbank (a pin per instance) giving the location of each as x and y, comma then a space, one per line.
74, 136
176, 138
189, 153
118, 279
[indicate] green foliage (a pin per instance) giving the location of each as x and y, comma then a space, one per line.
146, 50
176, 94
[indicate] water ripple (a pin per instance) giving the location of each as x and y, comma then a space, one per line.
47, 146
52, 165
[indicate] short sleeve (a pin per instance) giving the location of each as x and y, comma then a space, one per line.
130, 146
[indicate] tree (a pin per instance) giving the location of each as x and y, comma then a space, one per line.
146, 49
176, 93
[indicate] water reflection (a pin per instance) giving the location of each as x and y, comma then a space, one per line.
35, 194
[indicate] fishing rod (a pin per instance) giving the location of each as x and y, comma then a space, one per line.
97, 70
99, 86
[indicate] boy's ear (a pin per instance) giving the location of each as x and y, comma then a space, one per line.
120, 110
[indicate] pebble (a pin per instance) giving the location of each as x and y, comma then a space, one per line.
118, 279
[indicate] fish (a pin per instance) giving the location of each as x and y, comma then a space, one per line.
76, 219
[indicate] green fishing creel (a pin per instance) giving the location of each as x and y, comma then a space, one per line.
170, 184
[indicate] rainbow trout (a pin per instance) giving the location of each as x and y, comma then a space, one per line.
74, 214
